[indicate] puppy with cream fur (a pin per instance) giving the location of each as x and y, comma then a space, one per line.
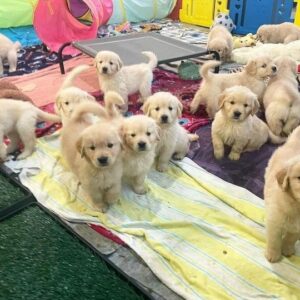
69, 96
237, 126
174, 142
282, 98
17, 122
252, 76
220, 40
278, 33
9, 52
125, 80
282, 199
140, 136
93, 154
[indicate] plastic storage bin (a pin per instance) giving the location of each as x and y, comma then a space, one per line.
201, 12
249, 15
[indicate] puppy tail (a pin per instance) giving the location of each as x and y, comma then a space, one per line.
111, 100
193, 137
89, 108
44, 116
205, 70
275, 139
152, 59
72, 75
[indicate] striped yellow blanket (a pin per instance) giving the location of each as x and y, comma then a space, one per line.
202, 236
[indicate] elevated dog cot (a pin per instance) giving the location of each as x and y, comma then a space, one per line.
201, 12
249, 15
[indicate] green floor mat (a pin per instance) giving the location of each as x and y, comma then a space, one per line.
39, 259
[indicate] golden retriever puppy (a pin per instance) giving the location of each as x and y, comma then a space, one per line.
278, 33
282, 99
140, 136
282, 199
174, 142
252, 76
220, 40
8, 50
17, 122
93, 154
125, 80
69, 96
237, 126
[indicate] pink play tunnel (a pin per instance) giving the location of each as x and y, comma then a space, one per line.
55, 25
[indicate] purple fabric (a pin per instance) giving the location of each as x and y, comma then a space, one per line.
248, 172
78, 8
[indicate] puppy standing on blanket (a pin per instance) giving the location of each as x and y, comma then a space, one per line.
125, 80
69, 96
174, 142
282, 199
282, 99
93, 153
221, 41
237, 126
17, 122
253, 77
140, 136
8, 50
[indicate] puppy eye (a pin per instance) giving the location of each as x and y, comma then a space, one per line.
246, 105
111, 63
157, 108
148, 133
232, 102
170, 108
67, 103
133, 134
264, 65
100, 61
92, 147
110, 145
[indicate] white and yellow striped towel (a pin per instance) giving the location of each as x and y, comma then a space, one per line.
203, 237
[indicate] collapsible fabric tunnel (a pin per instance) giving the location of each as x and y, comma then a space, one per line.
55, 25
137, 10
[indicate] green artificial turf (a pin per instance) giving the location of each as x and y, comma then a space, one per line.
40, 260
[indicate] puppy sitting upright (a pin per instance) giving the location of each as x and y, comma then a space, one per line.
253, 77
282, 99
125, 80
282, 199
140, 137
237, 126
174, 142
220, 40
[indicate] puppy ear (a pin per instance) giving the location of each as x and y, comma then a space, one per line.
283, 179
179, 109
255, 106
221, 100
79, 147
119, 64
146, 108
251, 67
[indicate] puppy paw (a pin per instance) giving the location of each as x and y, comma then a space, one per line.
140, 190
23, 155
162, 167
218, 155
288, 250
178, 156
234, 156
104, 208
193, 108
272, 256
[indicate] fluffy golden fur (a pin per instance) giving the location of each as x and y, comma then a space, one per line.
174, 142
282, 199
252, 76
221, 41
282, 99
237, 126
93, 154
69, 96
17, 122
8, 51
125, 80
278, 33
140, 136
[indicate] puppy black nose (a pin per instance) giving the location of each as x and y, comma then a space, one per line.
104, 69
164, 118
274, 69
103, 160
142, 145
236, 114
